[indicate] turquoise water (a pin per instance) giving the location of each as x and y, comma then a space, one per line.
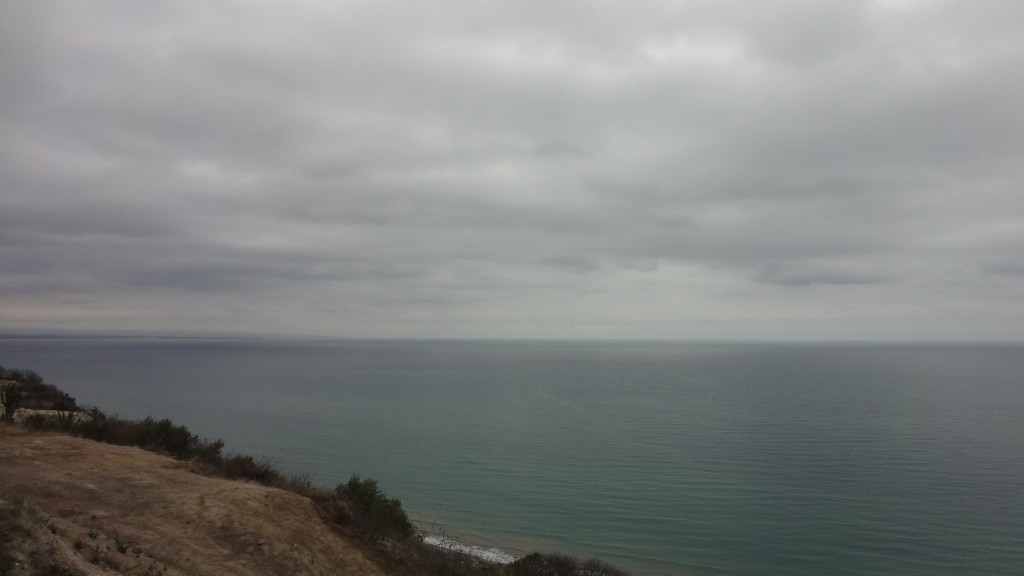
662, 458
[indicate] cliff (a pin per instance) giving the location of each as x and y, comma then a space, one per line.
74, 506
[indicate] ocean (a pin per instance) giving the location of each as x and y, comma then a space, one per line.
663, 458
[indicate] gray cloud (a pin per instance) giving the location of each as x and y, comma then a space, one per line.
523, 169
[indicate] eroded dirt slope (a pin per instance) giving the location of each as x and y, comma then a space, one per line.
82, 507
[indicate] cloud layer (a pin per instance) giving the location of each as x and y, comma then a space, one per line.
701, 169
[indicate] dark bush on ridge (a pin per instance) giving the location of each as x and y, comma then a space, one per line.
32, 392
150, 434
179, 442
560, 565
242, 467
379, 515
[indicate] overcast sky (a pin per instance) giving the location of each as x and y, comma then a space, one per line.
792, 169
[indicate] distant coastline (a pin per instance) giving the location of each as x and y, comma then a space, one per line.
272, 337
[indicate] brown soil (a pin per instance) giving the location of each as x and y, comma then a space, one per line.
74, 506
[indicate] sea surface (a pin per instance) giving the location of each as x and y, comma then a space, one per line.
681, 458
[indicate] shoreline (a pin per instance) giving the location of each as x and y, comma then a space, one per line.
437, 534
452, 544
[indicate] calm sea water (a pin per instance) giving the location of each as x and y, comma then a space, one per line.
662, 458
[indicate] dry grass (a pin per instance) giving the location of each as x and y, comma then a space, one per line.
129, 510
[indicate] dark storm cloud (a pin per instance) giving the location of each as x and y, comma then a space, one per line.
513, 168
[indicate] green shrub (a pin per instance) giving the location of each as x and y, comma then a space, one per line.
379, 515
243, 467
150, 434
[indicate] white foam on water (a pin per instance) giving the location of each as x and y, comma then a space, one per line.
488, 554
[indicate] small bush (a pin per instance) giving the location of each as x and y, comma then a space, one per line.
561, 565
242, 467
378, 515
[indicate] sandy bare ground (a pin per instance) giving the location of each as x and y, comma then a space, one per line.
89, 508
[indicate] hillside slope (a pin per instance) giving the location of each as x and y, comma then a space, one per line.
74, 506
